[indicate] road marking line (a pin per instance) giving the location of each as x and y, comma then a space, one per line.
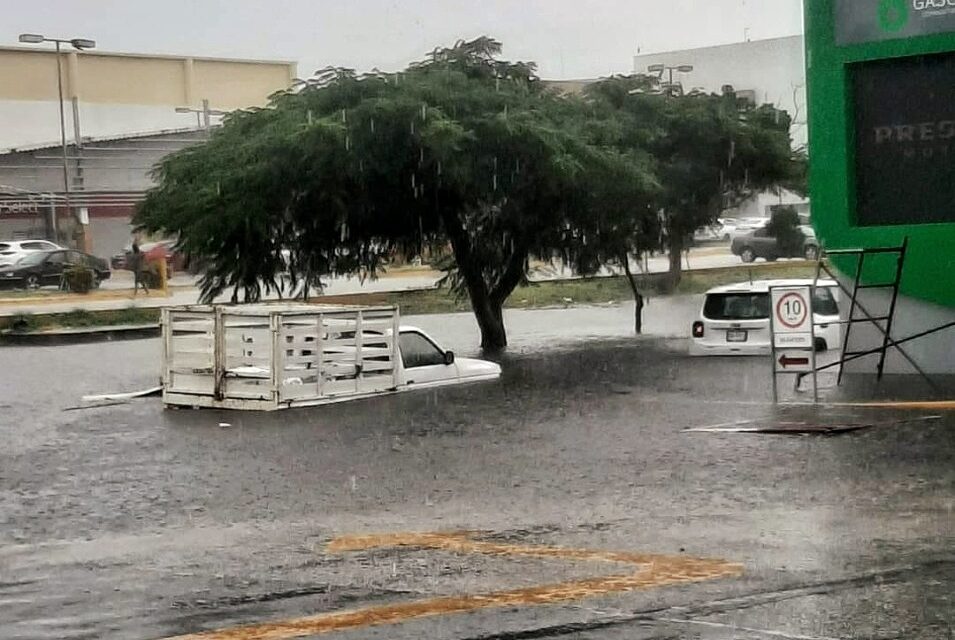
720, 625
929, 405
653, 571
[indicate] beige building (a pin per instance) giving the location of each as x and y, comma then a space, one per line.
121, 119
109, 94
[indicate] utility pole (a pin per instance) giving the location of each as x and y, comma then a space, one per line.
79, 44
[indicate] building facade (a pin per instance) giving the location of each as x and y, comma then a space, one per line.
121, 118
882, 141
111, 94
769, 71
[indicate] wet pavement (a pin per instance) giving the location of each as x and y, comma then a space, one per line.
569, 498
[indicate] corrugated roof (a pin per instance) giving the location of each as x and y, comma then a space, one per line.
111, 138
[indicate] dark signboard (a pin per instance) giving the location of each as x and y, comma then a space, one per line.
904, 140
871, 20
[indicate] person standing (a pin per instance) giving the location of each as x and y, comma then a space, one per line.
136, 259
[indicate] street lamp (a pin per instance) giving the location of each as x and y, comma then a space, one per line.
203, 115
79, 44
659, 69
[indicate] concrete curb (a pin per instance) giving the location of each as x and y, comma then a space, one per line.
79, 335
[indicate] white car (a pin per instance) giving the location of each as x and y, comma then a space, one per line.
12, 250
734, 319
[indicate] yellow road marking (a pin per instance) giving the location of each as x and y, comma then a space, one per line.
923, 405
653, 571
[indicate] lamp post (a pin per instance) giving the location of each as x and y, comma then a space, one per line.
660, 69
203, 115
78, 44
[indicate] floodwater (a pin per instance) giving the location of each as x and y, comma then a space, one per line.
132, 521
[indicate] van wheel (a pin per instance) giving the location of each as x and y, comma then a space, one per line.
812, 252
32, 282
772, 258
747, 255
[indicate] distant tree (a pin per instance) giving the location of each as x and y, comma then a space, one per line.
619, 220
712, 152
784, 226
462, 148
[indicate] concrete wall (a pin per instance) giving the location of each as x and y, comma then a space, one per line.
933, 354
122, 93
774, 70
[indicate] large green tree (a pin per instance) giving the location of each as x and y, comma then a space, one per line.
714, 152
462, 149
709, 151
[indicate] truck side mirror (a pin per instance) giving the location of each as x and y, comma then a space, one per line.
448, 357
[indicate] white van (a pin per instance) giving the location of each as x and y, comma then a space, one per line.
734, 320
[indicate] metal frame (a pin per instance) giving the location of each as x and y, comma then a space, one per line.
847, 356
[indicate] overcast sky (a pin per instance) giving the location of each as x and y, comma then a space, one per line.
567, 38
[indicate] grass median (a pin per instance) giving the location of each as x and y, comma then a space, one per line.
536, 295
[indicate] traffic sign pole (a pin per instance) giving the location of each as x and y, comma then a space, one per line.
793, 339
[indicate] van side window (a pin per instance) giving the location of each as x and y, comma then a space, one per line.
824, 303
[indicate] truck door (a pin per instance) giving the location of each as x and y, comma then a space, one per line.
424, 362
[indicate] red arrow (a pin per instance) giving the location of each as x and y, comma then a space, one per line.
785, 361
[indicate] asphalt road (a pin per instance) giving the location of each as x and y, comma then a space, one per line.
130, 521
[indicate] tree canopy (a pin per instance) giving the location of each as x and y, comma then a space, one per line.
461, 151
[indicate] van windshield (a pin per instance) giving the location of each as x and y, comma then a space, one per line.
736, 306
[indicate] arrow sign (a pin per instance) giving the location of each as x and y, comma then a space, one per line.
787, 361
793, 361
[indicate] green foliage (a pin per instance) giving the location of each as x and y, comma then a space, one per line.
349, 170
784, 226
346, 171
708, 152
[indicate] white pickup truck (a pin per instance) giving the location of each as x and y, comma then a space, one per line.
274, 356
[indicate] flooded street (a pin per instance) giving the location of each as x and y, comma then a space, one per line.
567, 496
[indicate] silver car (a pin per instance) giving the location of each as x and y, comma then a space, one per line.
12, 250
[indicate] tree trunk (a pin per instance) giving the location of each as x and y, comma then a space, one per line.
676, 261
490, 319
486, 304
637, 297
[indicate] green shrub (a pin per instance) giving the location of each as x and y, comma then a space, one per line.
79, 279
784, 226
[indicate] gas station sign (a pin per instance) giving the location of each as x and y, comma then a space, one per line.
871, 20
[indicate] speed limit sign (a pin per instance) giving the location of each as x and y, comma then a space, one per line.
792, 316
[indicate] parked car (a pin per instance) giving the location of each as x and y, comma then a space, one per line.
745, 226
759, 244
734, 319
710, 233
45, 268
728, 228
12, 250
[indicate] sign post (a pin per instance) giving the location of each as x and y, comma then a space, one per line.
793, 346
